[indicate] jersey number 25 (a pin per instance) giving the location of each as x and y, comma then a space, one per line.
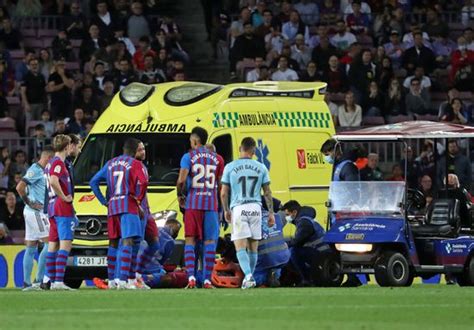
204, 171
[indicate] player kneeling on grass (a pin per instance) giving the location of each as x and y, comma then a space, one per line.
61, 214
32, 189
242, 181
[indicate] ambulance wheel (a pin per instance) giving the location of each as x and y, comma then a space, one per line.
327, 271
467, 276
74, 284
392, 269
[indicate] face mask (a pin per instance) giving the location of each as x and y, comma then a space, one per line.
289, 219
328, 159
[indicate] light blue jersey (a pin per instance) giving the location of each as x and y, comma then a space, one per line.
36, 182
245, 177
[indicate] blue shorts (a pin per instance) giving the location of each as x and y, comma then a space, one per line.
130, 225
66, 227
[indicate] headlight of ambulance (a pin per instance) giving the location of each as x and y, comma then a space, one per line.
354, 247
136, 93
162, 216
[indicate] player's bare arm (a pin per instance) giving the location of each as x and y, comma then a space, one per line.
225, 202
21, 189
54, 182
183, 174
267, 194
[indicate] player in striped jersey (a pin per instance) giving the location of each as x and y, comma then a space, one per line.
197, 189
127, 181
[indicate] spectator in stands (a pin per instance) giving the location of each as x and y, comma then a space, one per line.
33, 94
76, 125
371, 172
435, 27
178, 75
161, 42
346, 7
335, 76
5, 162
40, 140
426, 159
60, 127
469, 36
104, 20
5, 239
88, 102
443, 47
99, 76
47, 123
417, 101
274, 42
314, 40
59, 86
384, 73
284, 73
397, 173
19, 165
137, 24
409, 37
265, 28
300, 52
420, 75
373, 101
361, 73
468, 13
395, 101
89, 125
294, 27
343, 39
237, 27
308, 11
256, 16
332, 107
311, 73
11, 213
253, 75
46, 63
172, 30
7, 88
119, 34
413, 167
62, 46
246, 46
455, 113
458, 164
27, 8
163, 61
418, 55
10, 36
91, 44
462, 67
382, 26
109, 93
349, 114
125, 75
150, 74
394, 49
75, 22
328, 12
357, 21
143, 50
322, 53
22, 68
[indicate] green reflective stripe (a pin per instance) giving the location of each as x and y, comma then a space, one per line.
282, 119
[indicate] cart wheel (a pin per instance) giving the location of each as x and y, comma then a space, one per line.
392, 269
326, 271
467, 276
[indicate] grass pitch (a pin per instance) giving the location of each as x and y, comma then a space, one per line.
368, 307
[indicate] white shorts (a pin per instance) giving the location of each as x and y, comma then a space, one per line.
36, 225
247, 222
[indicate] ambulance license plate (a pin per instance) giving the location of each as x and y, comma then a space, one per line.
90, 261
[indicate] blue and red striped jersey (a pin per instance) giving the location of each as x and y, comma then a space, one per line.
127, 181
205, 171
56, 206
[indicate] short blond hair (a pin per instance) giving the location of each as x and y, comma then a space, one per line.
60, 142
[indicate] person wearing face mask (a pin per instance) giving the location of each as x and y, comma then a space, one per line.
308, 237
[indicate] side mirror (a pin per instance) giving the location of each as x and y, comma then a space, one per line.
328, 204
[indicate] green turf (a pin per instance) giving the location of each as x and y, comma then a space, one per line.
370, 307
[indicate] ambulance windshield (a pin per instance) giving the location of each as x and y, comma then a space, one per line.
163, 155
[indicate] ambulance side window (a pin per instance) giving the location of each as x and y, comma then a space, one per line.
223, 145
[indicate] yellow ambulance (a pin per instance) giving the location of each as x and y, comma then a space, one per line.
289, 121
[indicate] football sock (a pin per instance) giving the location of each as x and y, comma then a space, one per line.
244, 261
28, 260
209, 260
133, 263
50, 267
42, 263
147, 256
253, 257
125, 255
61, 262
111, 262
189, 259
